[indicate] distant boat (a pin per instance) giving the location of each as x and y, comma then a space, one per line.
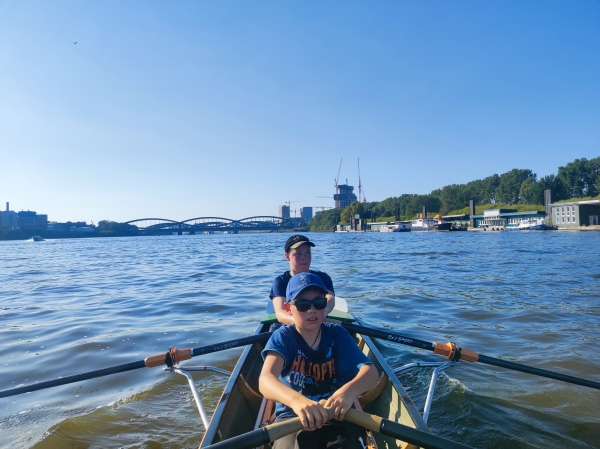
533, 224
396, 227
424, 224
443, 226
36, 238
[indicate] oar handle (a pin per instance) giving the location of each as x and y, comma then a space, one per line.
400, 432
259, 437
266, 434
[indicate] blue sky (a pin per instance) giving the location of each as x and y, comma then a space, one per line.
187, 109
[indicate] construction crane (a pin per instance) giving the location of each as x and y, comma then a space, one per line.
328, 197
289, 203
360, 190
338, 177
323, 207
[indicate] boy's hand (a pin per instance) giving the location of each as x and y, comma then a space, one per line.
340, 402
312, 414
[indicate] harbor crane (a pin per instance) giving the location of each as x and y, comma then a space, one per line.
360, 190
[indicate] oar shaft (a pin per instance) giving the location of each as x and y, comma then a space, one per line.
468, 355
390, 336
132, 365
401, 432
538, 371
73, 378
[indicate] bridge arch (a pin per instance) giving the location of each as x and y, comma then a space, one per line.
211, 224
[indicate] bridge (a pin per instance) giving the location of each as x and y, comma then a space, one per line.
263, 223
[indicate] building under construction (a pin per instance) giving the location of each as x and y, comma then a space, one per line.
284, 211
345, 197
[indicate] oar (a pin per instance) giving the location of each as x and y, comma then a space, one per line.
172, 357
264, 435
272, 432
400, 431
454, 353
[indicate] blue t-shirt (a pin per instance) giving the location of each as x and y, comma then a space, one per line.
315, 373
281, 282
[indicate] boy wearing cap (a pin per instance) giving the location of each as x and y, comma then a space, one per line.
311, 360
298, 253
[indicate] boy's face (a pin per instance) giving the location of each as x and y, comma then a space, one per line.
312, 318
299, 258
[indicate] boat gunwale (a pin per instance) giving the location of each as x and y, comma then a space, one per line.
215, 421
412, 409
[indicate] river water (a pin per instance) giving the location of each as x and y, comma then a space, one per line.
69, 306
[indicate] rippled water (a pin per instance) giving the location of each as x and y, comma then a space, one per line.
68, 306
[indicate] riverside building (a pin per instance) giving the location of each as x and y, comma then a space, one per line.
576, 214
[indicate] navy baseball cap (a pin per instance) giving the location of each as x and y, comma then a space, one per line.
295, 241
301, 282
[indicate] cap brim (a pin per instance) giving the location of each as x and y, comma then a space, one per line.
298, 244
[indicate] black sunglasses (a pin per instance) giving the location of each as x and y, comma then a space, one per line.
303, 305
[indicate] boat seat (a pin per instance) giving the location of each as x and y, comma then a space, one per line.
369, 396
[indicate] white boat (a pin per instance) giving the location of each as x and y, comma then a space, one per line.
527, 224
532, 223
424, 224
396, 227
36, 238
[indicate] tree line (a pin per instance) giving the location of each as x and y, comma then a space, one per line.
577, 179
113, 228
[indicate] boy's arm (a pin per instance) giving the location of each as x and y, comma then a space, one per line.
281, 314
312, 414
343, 398
330, 302
330, 293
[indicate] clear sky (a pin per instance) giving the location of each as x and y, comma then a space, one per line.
219, 108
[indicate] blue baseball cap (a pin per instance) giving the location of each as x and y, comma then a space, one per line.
301, 282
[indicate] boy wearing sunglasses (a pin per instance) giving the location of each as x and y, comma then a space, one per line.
312, 360
298, 253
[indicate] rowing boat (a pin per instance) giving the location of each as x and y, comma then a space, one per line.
243, 418
242, 408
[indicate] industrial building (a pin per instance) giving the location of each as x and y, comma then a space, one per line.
575, 213
32, 221
9, 219
24, 220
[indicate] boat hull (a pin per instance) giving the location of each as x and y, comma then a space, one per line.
443, 227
